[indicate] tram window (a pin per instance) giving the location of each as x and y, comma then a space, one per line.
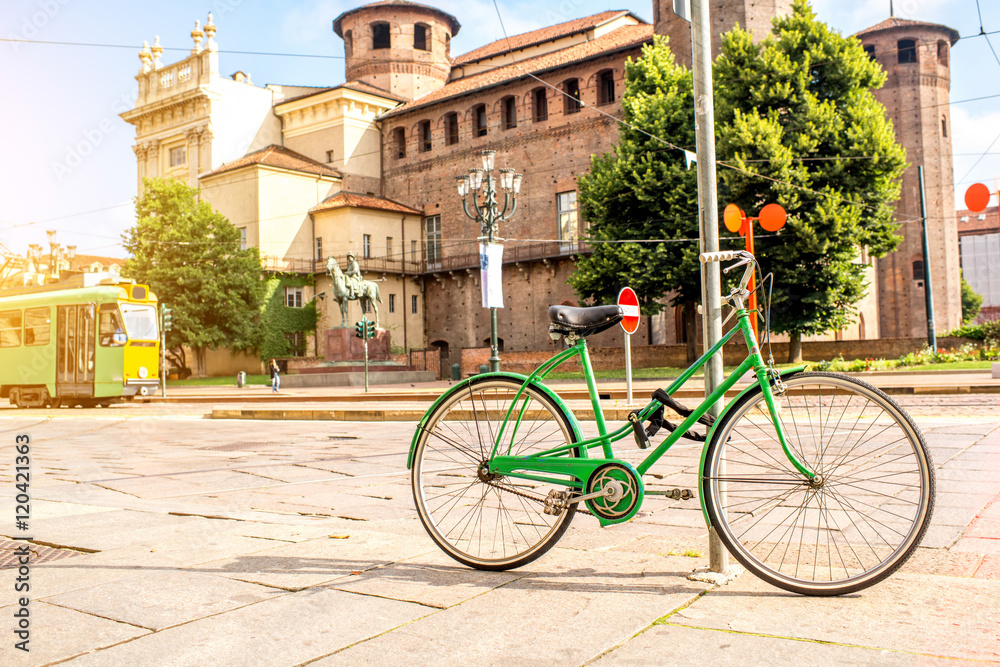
140, 321
36, 326
10, 328
112, 330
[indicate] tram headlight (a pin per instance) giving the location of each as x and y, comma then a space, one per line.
143, 372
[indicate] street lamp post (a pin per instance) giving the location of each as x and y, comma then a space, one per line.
488, 214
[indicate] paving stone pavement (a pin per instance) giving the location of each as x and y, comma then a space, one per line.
205, 542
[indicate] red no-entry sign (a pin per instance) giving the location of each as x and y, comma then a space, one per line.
629, 303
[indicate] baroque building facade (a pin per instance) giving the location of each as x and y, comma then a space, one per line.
369, 165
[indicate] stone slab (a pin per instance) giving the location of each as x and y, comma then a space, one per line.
682, 645
158, 600
892, 615
287, 630
60, 634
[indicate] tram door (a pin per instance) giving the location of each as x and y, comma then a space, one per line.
76, 327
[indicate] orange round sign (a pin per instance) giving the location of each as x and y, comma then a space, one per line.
733, 217
772, 217
977, 197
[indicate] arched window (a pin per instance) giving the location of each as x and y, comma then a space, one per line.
348, 43
422, 37
918, 269
571, 99
539, 105
944, 125
451, 129
606, 87
424, 129
907, 50
447, 45
508, 112
399, 138
380, 36
479, 121
943, 52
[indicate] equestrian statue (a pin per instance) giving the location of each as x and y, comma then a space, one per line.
352, 287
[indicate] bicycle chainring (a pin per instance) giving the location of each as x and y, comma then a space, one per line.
623, 490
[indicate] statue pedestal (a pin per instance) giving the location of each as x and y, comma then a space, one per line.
343, 345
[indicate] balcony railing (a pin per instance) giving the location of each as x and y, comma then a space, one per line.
514, 252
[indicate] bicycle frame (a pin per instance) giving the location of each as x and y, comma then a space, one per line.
562, 465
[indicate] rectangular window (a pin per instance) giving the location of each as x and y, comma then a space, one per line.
425, 136
296, 341
566, 209
870, 51
907, 51
432, 231
413, 304
509, 108
571, 101
329, 156
178, 156
392, 303
366, 246
480, 115
36, 326
413, 251
319, 248
293, 296
540, 104
10, 328
388, 247
243, 238
451, 126
110, 323
606, 87
400, 138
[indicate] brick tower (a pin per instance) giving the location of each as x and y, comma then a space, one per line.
915, 55
398, 46
754, 15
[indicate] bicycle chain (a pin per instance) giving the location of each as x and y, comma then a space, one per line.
529, 496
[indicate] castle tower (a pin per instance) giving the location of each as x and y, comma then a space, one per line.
915, 55
753, 15
398, 46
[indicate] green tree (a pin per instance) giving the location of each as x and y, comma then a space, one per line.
189, 254
798, 108
972, 301
644, 190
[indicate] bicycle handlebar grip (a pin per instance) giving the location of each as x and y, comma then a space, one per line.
723, 256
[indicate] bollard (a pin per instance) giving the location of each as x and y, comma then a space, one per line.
241, 379
456, 372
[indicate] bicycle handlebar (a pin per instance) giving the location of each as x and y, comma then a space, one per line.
726, 255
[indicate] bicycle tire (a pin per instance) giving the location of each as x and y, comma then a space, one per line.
456, 504
858, 524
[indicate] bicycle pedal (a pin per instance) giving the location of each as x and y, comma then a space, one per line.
641, 439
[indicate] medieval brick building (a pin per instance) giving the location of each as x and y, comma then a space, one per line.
375, 159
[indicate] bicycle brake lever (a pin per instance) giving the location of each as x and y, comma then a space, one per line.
733, 266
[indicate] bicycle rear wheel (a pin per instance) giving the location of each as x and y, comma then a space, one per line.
484, 521
854, 525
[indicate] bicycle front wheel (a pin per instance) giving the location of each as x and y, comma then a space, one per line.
854, 524
485, 521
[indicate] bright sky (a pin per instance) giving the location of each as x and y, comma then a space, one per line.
68, 162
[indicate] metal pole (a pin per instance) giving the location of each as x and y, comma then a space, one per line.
364, 328
711, 278
628, 368
163, 355
491, 213
928, 294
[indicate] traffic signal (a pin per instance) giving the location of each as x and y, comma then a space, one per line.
168, 319
370, 329
359, 329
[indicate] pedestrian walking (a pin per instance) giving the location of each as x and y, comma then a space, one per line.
275, 377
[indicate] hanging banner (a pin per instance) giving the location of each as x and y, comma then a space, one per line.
490, 264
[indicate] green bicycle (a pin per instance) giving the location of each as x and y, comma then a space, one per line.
816, 482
